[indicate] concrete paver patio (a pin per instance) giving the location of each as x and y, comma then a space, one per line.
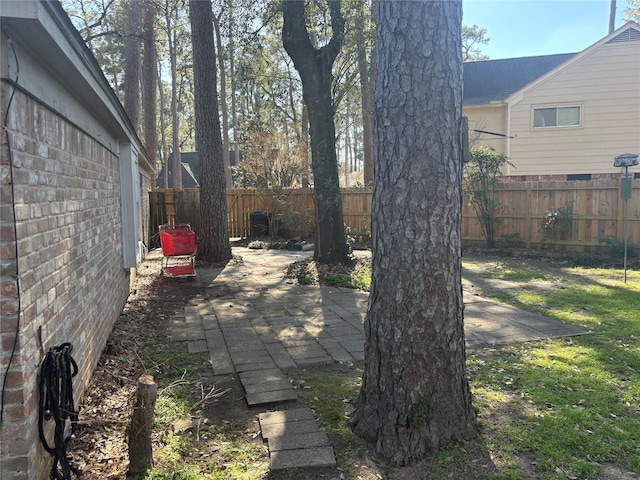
254, 318
257, 323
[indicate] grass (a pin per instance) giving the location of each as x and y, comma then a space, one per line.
520, 274
563, 407
186, 455
556, 409
329, 394
579, 397
359, 278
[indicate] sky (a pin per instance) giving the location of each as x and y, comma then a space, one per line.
523, 28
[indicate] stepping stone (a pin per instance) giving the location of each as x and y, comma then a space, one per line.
271, 397
221, 362
270, 387
301, 440
294, 440
250, 378
197, 346
253, 364
272, 430
305, 457
286, 416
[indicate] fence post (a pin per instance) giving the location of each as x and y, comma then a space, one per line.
243, 233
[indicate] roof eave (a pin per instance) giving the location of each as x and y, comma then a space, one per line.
516, 96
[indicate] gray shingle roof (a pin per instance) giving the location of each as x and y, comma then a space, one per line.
486, 81
190, 169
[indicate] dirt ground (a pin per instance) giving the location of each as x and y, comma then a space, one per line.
100, 450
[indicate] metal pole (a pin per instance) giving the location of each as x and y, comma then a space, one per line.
624, 228
625, 240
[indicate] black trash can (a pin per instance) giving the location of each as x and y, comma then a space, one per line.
259, 224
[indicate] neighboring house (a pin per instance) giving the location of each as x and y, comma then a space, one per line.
560, 116
190, 170
74, 183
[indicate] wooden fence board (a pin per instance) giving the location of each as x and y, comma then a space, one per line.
595, 205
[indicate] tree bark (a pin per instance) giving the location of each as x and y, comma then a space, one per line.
140, 449
150, 83
232, 74
304, 147
415, 397
223, 103
365, 70
175, 120
132, 62
213, 230
612, 16
163, 137
314, 66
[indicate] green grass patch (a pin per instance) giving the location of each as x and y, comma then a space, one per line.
525, 273
358, 279
574, 402
183, 456
555, 409
565, 407
329, 393
237, 458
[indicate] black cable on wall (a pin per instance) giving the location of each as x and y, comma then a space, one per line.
15, 232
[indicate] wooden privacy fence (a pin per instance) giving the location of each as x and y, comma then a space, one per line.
595, 208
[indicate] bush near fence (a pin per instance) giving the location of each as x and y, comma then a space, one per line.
595, 209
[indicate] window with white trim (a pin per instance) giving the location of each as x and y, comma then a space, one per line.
565, 116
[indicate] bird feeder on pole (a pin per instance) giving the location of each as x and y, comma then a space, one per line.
625, 161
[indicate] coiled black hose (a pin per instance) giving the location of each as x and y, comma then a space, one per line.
56, 401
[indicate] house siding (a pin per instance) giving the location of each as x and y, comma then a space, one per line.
72, 284
490, 118
145, 188
606, 84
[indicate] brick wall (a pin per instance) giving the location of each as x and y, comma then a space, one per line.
72, 283
558, 178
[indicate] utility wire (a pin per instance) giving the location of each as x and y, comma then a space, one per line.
15, 232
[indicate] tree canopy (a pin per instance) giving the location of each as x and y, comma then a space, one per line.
259, 87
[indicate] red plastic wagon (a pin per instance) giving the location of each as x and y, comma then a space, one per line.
178, 244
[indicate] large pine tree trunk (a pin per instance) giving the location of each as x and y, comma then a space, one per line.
132, 62
314, 66
163, 136
304, 147
365, 70
232, 81
150, 83
223, 103
415, 396
175, 119
213, 231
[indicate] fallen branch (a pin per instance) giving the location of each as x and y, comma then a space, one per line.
212, 394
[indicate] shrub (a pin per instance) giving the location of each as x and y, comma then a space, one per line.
481, 179
614, 247
556, 223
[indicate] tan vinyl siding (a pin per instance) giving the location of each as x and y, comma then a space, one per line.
490, 118
606, 84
